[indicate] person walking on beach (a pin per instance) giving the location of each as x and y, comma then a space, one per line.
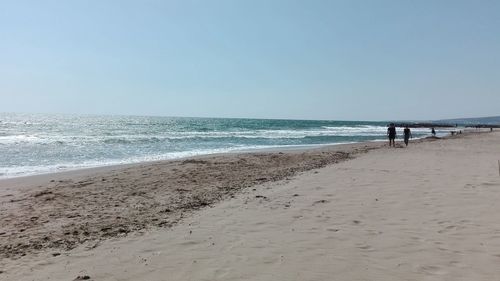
433, 132
391, 133
407, 134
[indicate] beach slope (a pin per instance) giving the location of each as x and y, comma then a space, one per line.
426, 212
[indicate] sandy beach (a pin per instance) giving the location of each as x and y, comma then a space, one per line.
353, 212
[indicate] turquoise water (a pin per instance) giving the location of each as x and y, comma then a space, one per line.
41, 143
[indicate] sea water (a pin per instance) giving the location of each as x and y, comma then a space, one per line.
44, 143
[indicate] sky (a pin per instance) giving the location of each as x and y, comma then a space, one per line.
334, 60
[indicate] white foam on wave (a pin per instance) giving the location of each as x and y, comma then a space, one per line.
20, 171
15, 139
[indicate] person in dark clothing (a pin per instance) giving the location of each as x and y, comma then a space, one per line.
391, 133
407, 135
433, 132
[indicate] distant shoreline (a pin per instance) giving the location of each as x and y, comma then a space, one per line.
441, 125
423, 125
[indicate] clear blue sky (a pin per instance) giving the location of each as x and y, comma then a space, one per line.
358, 60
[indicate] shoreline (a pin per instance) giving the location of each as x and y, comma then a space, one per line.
79, 170
90, 169
85, 171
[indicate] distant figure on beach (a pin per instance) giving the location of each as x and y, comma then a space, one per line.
407, 134
433, 132
491, 129
391, 133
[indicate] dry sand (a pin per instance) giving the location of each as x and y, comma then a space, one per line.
427, 212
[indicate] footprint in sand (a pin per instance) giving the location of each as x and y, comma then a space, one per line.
366, 247
431, 269
451, 228
323, 201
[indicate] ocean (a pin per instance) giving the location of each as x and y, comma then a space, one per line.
44, 143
